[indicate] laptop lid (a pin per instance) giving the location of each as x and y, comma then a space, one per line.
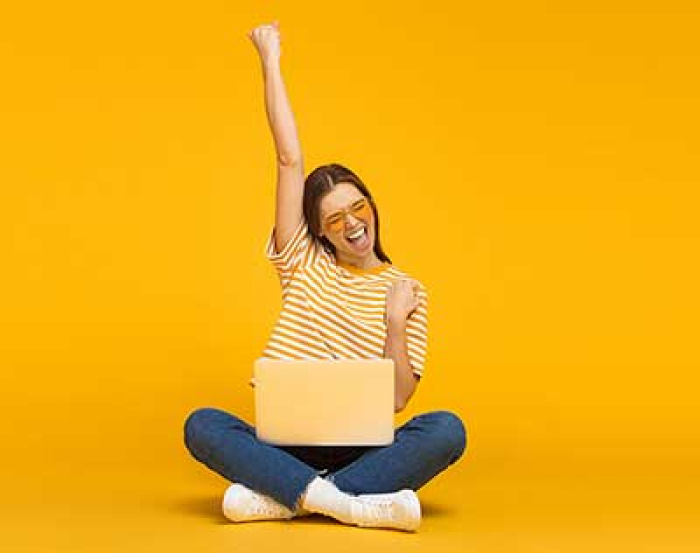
324, 402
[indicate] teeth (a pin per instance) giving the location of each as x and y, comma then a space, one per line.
356, 234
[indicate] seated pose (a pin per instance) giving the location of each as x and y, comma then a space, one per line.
342, 299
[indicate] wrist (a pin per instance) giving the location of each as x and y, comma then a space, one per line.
395, 323
270, 62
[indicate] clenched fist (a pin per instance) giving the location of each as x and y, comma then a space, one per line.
266, 39
402, 299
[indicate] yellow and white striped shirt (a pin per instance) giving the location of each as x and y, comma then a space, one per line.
331, 310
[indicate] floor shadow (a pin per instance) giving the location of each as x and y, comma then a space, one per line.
436, 510
209, 507
314, 519
204, 506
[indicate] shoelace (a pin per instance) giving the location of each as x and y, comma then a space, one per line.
262, 506
378, 509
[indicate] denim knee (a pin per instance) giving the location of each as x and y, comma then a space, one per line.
197, 423
453, 434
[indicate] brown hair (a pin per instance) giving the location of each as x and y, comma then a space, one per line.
321, 181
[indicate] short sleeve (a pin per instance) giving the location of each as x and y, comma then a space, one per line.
417, 334
301, 249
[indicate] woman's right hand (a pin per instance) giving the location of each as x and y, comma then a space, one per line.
266, 39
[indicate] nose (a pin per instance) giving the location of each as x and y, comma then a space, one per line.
351, 221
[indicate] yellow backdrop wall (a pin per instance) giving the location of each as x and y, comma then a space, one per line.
534, 165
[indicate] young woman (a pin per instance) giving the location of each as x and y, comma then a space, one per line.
342, 298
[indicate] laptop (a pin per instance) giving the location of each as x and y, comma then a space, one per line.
324, 402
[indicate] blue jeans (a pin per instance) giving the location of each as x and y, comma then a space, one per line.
423, 447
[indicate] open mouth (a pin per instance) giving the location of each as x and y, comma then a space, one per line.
358, 238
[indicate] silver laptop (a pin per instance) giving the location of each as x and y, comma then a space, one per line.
324, 402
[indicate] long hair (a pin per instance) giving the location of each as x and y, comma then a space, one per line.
321, 181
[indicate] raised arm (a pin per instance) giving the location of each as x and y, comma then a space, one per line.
290, 167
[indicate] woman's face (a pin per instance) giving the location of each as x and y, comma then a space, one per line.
341, 228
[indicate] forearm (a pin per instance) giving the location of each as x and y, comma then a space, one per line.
279, 114
395, 347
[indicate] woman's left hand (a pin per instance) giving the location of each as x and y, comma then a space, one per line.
401, 300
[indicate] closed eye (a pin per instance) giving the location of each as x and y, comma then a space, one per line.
335, 217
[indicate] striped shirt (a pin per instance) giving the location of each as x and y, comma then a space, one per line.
331, 310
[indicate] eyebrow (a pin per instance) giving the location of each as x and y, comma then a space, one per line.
338, 210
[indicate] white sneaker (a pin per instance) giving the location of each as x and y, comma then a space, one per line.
400, 510
241, 504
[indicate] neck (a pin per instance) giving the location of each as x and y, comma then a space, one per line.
368, 262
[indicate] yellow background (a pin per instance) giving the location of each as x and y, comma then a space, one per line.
535, 164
